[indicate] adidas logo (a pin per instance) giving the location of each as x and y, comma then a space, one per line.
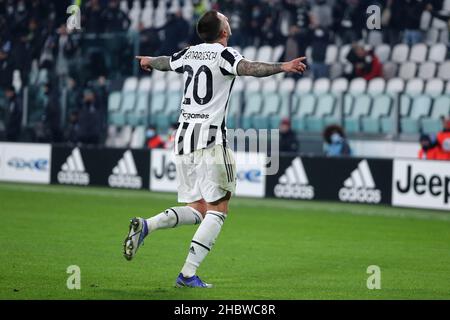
124, 174
73, 171
360, 186
294, 183
192, 250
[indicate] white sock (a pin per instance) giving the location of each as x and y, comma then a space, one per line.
203, 241
174, 217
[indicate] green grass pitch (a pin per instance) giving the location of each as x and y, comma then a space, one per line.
268, 249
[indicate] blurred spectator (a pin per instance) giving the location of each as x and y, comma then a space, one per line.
89, 120
428, 147
72, 129
6, 67
392, 20
13, 115
149, 40
443, 140
365, 63
114, 19
411, 15
336, 144
176, 32
349, 18
319, 41
322, 13
92, 20
153, 140
295, 46
52, 115
288, 139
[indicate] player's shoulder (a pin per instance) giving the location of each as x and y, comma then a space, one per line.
230, 54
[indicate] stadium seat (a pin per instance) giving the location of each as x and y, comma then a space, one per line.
123, 138
343, 52
253, 103
249, 53
427, 70
400, 53
390, 70
336, 70
360, 108
277, 52
438, 52
304, 85
270, 106
414, 87
418, 53
444, 71
111, 135
157, 101
376, 86
305, 107
395, 85
375, 38
447, 88
339, 85
264, 53
321, 85
357, 85
145, 84
137, 139
383, 52
331, 54
114, 103
324, 113
140, 113
421, 106
440, 110
147, 17
380, 111
235, 104
434, 87
285, 90
407, 70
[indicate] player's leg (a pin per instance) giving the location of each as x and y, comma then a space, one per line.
218, 185
190, 214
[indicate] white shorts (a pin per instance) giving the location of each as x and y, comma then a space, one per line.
206, 174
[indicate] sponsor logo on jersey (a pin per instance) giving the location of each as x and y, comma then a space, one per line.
73, 171
360, 186
294, 183
125, 174
189, 115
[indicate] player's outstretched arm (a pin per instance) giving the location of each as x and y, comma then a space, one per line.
264, 69
159, 63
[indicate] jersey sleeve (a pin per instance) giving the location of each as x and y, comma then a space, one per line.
176, 60
228, 61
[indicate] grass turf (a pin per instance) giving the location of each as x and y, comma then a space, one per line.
268, 249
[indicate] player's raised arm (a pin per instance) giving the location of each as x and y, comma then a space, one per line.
264, 69
161, 63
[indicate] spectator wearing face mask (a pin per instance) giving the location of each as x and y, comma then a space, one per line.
153, 140
336, 144
428, 147
364, 62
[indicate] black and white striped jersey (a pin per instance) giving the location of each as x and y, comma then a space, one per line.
209, 72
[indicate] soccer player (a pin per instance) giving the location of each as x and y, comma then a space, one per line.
206, 171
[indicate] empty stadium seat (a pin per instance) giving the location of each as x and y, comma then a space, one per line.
440, 110
331, 54
157, 101
235, 104
343, 52
270, 106
380, 112
123, 138
339, 85
253, 103
434, 87
395, 85
321, 85
418, 52
376, 86
438, 52
140, 112
249, 53
357, 85
277, 52
390, 70
323, 115
304, 107
137, 139
264, 53
421, 106
360, 108
444, 71
145, 84
114, 103
427, 70
414, 87
383, 52
400, 53
304, 85
407, 70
